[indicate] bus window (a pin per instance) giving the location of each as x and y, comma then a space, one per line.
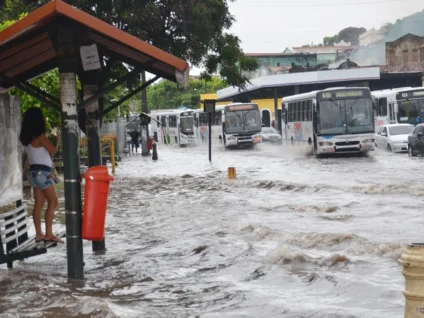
196, 120
173, 121
309, 110
296, 111
382, 107
217, 119
303, 114
163, 120
289, 110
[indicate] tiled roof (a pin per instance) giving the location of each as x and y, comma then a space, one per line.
409, 68
271, 54
275, 69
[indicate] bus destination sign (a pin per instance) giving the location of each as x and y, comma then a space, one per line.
410, 94
243, 107
354, 93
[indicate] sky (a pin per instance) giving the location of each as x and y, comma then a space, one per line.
269, 26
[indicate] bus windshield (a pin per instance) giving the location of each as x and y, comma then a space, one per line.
346, 116
242, 121
409, 110
186, 124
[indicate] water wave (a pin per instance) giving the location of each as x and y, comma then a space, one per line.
283, 255
350, 243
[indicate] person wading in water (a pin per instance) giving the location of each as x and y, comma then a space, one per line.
39, 151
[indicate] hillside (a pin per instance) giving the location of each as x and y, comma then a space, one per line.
375, 54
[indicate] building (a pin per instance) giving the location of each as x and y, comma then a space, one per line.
406, 50
370, 37
279, 63
325, 54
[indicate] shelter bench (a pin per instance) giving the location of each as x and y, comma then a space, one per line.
15, 244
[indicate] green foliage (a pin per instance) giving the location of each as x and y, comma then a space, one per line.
48, 83
166, 94
351, 35
331, 40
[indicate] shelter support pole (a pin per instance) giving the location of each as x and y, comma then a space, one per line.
71, 160
90, 87
276, 118
144, 128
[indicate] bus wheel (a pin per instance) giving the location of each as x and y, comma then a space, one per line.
389, 148
310, 141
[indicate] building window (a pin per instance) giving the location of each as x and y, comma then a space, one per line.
415, 56
405, 57
391, 59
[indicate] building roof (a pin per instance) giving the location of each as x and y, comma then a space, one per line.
408, 68
275, 54
405, 36
27, 48
304, 78
322, 49
276, 69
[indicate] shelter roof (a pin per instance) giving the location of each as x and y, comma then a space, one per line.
303, 78
28, 48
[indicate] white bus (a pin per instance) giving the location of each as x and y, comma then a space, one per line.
177, 127
403, 105
235, 125
334, 120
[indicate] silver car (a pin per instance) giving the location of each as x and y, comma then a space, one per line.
271, 135
393, 137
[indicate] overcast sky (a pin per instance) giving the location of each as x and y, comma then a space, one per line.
269, 26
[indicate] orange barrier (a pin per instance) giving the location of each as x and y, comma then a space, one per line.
97, 180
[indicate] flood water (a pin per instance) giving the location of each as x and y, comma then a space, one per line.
293, 236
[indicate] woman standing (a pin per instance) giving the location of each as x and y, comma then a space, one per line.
39, 151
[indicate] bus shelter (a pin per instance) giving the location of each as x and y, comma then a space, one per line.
58, 35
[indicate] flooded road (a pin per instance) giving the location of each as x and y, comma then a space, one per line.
293, 236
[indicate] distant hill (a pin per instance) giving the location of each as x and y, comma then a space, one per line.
411, 24
375, 54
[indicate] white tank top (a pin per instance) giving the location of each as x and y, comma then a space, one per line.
38, 156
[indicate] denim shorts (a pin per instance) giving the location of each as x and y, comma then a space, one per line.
40, 179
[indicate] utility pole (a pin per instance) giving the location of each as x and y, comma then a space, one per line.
144, 128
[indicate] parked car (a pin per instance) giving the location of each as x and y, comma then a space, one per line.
393, 137
271, 135
416, 141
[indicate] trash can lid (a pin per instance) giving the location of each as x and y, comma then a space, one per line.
99, 173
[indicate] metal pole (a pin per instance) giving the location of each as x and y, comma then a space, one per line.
112, 154
144, 108
93, 138
71, 160
210, 137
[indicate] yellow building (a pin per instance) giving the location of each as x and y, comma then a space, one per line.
266, 105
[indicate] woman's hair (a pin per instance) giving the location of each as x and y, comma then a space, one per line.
33, 126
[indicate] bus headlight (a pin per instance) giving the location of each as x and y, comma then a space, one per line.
325, 143
367, 140
231, 138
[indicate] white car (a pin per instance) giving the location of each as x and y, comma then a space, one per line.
393, 137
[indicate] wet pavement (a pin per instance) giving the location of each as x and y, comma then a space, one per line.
293, 236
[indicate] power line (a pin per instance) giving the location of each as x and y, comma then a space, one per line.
280, 4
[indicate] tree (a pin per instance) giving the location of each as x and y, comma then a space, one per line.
351, 35
194, 30
331, 40
166, 94
385, 29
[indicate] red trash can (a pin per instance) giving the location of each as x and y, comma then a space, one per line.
150, 143
97, 180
